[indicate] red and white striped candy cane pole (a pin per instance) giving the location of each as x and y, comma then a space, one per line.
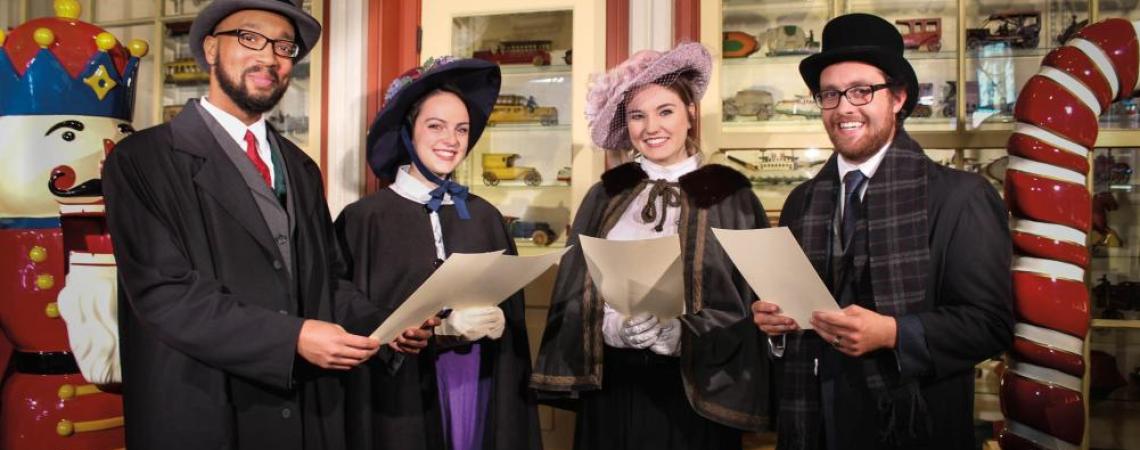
1046, 189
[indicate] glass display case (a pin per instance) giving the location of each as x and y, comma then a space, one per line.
1004, 47
930, 36
529, 162
168, 74
763, 42
522, 162
1114, 275
971, 58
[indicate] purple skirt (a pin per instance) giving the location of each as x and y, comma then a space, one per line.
462, 396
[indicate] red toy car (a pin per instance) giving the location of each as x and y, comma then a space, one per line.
922, 34
518, 52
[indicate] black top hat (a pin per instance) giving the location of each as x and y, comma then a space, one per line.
307, 28
476, 79
864, 38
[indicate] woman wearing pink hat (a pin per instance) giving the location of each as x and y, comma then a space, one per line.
690, 382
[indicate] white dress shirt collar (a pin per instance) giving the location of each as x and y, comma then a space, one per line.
868, 167
412, 188
671, 172
236, 129
234, 126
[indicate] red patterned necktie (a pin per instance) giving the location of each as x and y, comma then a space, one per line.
258, 163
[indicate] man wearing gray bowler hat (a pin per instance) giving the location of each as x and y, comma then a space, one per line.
235, 317
916, 254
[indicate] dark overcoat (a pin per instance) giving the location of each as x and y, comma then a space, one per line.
209, 312
966, 313
388, 242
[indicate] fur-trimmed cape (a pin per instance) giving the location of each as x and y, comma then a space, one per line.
723, 362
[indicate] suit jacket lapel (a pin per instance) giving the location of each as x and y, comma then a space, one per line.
218, 177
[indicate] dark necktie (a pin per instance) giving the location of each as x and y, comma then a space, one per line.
258, 163
852, 205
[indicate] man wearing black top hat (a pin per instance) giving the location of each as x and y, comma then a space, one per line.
916, 254
234, 314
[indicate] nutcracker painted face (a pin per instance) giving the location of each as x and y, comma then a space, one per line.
66, 97
53, 159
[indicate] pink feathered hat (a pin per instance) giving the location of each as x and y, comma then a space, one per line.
608, 92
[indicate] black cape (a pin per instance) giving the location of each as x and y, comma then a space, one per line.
391, 249
723, 365
208, 318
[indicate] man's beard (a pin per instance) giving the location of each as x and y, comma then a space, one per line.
877, 135
241, 95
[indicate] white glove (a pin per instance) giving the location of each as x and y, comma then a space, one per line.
89, 305
668, 339
639, 331
474, 323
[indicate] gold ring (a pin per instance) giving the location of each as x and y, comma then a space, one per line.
836, 341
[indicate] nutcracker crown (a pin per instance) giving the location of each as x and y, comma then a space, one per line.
62, 65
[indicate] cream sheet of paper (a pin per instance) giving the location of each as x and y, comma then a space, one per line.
641, 276
773, 263
466, 279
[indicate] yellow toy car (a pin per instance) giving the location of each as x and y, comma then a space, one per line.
501, 166
185, 71
520, 109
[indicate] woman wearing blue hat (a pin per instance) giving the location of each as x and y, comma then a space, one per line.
468, 389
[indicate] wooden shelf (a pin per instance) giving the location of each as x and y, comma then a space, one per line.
1118, 324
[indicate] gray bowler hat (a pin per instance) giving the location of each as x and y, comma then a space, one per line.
307, 28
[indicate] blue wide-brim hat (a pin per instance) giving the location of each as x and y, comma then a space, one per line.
476, 79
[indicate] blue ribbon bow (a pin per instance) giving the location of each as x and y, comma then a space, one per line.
458, 192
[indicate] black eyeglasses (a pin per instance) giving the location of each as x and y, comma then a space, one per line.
257, 41
856, 95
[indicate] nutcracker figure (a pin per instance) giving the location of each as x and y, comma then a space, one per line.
66, 97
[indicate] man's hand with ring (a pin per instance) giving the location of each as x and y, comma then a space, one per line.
855, 331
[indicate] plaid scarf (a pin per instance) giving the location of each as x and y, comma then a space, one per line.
892, 240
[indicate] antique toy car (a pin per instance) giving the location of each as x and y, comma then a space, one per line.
564, 174
922, 34
790, 40
925, 105
518, 52
950, 98
1018, 29
738, 44
803, 105
538, 232
748, 103
185, 71
289, 124
520, 109
501, 166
